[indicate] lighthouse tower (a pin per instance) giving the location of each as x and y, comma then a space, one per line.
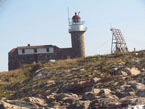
77, 30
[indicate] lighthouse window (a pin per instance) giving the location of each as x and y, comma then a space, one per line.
47, 49
35, 50
23, 51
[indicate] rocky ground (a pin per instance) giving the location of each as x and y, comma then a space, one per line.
108, 81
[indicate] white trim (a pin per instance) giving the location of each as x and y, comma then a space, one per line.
31, 51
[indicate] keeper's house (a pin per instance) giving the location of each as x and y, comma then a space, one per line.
43, 53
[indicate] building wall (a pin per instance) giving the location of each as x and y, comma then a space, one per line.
13, 60
17, 59
78, 44
30, 58
39, 51
67, 53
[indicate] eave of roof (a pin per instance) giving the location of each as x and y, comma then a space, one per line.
67, 50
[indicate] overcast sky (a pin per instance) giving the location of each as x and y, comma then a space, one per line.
45, 22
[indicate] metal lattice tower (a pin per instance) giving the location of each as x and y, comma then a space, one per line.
118, 42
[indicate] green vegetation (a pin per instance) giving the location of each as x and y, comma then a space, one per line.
101, 66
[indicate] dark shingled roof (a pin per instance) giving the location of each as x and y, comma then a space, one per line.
13, 50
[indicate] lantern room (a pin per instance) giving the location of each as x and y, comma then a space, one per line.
76, 18
76, 24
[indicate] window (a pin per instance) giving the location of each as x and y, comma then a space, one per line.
23, 51
35, 50
47, 49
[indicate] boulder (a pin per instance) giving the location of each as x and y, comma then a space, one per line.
104, 91
39, 70
25, 90
66, 88
104, 103
121, 73
140, 100
94, 104
59, 73
138, 86
8, 105
67, 76
126, 71
37, 101
120, 94
136, 61
59, 82
52, 60
134, 71
75, 88
69, 100
140, 93
66, 97
132, 100
132, 82
126, 88
35, 68
2, 106
139, 75
81, 82
41, 75
95, 80
88, 96
75, 69
108, 101
51, 100
136, 106
116, 83
79, 105
49, 92
96, 91
142, 80
51, 82
59, 97
81, 70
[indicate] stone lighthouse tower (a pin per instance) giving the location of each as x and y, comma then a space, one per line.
77, 30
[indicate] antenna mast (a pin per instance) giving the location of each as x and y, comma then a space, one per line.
68, 16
